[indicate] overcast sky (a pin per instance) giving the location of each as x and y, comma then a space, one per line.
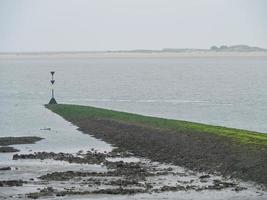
80, 25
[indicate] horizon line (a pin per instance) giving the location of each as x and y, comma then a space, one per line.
219, 48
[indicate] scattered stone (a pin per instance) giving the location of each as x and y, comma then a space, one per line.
64, 176
11, 183
119, 152
125, 182
238, 188
33, 195
134, 171
124, 177
204, 176
120, 191
88, 158
5, 168
166, 188
114, 191
49, 191
219, 185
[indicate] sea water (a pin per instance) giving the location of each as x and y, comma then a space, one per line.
226, 91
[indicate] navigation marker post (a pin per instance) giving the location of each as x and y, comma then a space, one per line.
52, 100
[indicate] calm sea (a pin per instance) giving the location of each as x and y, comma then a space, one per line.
226, 91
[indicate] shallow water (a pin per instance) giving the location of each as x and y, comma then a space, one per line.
227, 91
222, 91
31, 169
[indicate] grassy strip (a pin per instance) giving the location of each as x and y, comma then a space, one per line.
77, 112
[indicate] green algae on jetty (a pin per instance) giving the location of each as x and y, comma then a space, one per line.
230, 152
77, 112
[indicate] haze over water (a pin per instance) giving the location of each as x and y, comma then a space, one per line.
226, 91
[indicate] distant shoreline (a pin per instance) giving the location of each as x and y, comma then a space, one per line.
129, 54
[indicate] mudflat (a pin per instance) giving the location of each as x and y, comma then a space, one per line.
194, 149
200, 152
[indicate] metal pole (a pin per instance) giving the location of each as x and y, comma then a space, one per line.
52, 100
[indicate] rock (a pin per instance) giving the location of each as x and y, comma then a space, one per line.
167, 188
88, 158
5, 168
34, 195
124, 182
11, 183
204, 176
49, 191
8, 149
238, 188
218, 185
119, 190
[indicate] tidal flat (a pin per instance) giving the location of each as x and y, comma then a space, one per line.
147, 160
117, 174
232, 152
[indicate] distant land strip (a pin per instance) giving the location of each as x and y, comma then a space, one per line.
235, 50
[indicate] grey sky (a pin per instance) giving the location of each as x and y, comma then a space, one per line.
69, 25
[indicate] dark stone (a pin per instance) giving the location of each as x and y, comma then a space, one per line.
8, 149
11, 183
204, 176
4, 141
5, 168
